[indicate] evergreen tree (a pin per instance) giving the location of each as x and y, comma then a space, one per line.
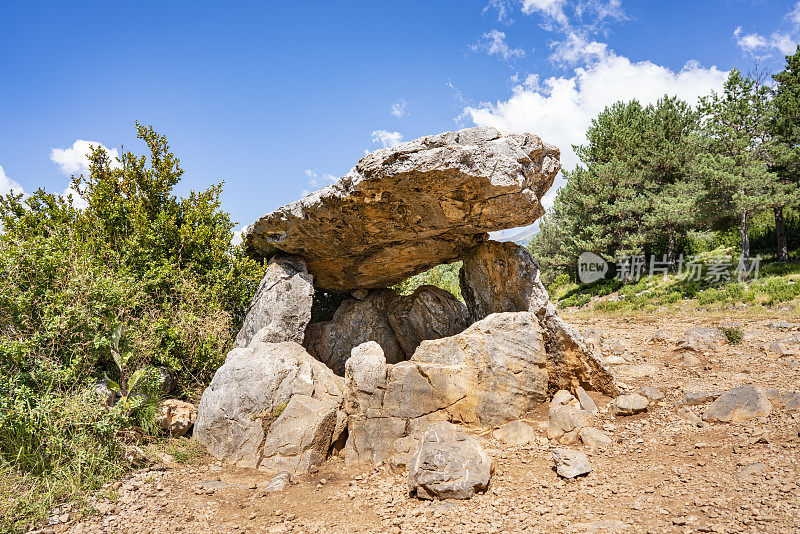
735, 156
672, 191
785, 127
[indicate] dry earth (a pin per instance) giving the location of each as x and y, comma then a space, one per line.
664, 472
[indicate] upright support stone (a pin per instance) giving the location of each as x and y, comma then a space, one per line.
281, 307
429, 313
354, 323
503, 277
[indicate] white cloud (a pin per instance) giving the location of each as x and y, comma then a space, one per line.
74, 160
399, 108
759, 46
561, 110
237, 236
503, 8
494, 44
7, 184
794, 15
386, 138
576, 48
552, 10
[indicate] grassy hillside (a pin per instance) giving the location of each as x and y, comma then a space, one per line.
777, 287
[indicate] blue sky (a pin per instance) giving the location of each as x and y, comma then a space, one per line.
276, 98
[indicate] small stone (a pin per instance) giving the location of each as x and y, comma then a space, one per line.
739, 404
630, 404
571, 463
586, 401
277, 483
515, 433
653, 394
594, 438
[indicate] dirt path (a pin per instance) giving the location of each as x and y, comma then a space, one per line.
664, 472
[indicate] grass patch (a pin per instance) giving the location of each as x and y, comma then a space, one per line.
184, 451
733, 334
778, 285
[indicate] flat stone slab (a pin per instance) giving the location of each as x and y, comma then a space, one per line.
406, 209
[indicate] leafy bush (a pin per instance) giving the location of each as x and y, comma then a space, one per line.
733, 334
444, 276
69, 277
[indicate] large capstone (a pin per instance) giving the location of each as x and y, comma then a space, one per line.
405, 209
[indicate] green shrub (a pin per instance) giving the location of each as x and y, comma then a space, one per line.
444, 276
136, 255
734, 335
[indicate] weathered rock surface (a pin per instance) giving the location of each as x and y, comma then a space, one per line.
571, 362
739, 404
515, 433
281, 307
586, 401
300, 437
499, 364
490, 374
248, 392
504, 277
702, 339
570, 463
630, 404
405, 209
566, 422
176, 416
429, 313
501, 277
355, 322
594, 438
448, 464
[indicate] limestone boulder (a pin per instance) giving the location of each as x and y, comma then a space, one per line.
176, 416
281, 306
405, 209
371, 431
702, 339
300, 437
739, 404
250, 391
498, 364
355, 322
504, 277
515, 433
570, 463
448, 464
501, 277
630, 404
429, 313
490, 374
571, 362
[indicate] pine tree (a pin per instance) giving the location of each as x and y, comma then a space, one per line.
785, 127
672, 193
734, 162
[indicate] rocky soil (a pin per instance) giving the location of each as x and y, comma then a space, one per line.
666, 470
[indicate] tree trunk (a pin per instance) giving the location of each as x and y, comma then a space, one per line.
745, 244
780, 234
671, 251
